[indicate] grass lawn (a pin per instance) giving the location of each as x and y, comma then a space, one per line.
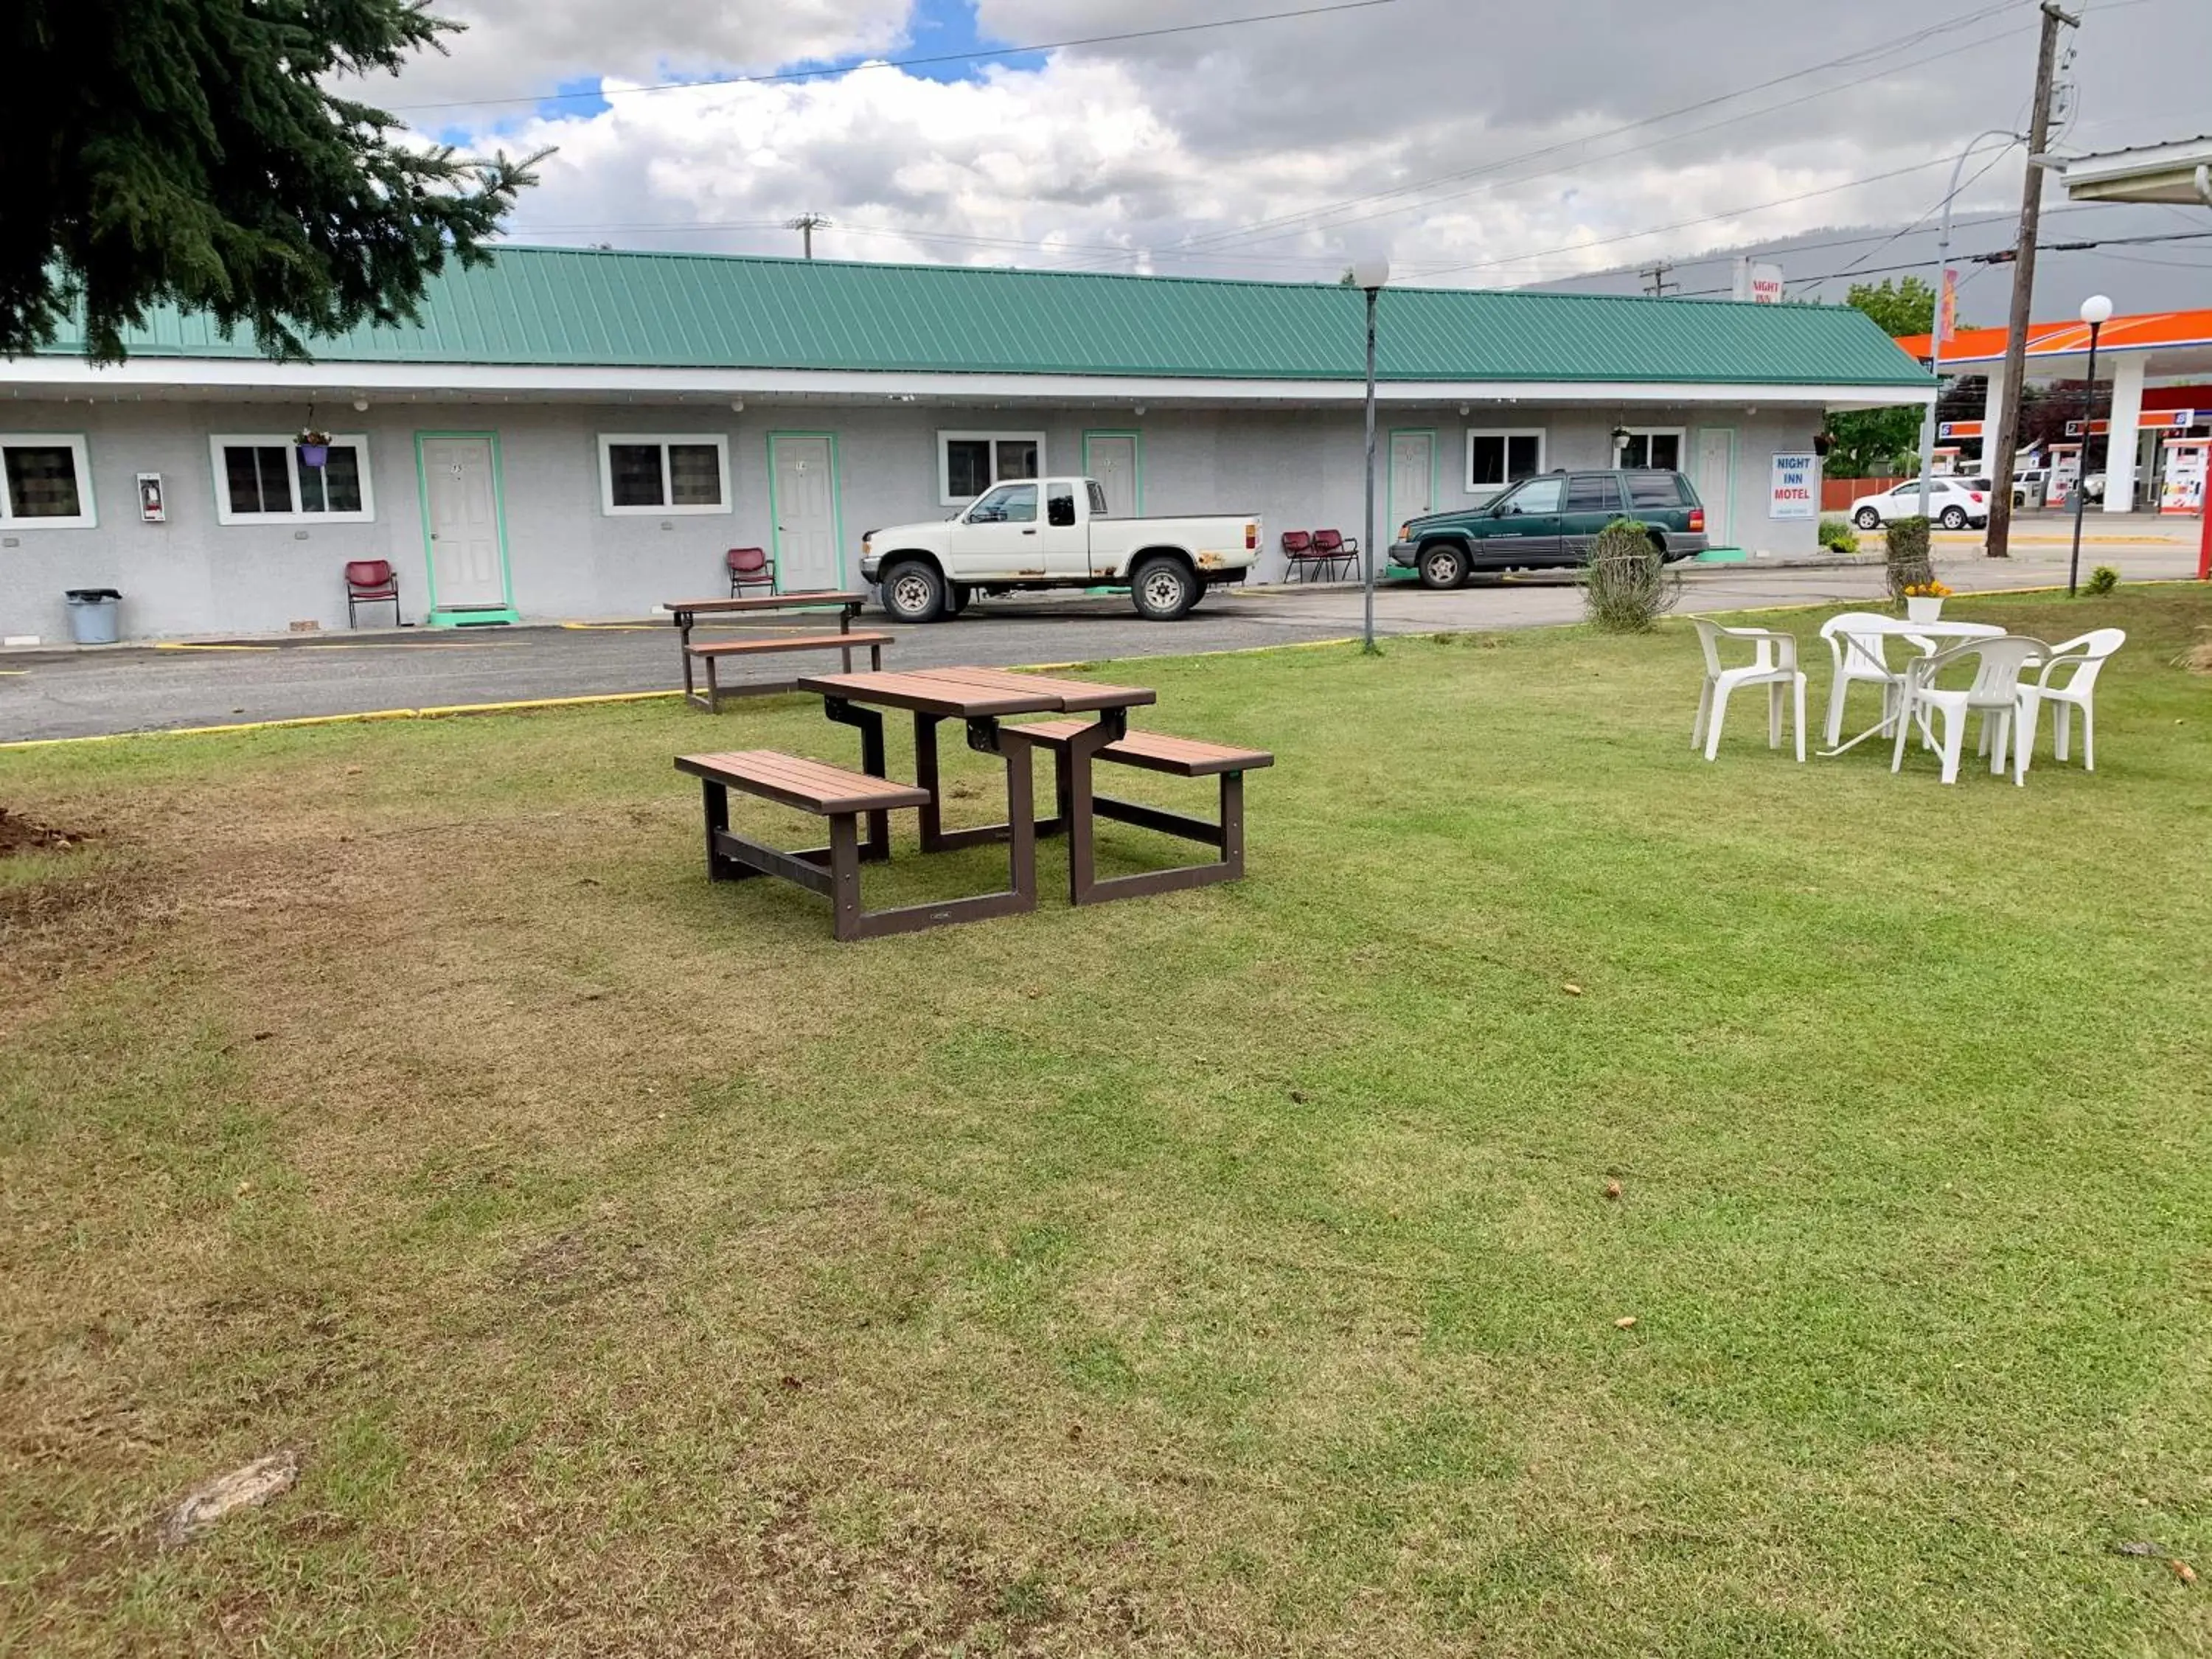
1229, 1274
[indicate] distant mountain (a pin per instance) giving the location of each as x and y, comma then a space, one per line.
2170, 276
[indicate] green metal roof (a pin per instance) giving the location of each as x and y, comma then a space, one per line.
571, 306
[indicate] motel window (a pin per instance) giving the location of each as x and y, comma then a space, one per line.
1495, 459
664, 473
1660, 446
969, 462
260, 478
46, 482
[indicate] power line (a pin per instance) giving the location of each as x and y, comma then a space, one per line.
1998, 256
901, 62
1291, 223
1685, 224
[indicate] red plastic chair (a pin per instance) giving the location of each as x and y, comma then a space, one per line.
750, 567
1297, 555
371, 581
1331, 549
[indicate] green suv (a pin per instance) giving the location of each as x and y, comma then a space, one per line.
1548, 521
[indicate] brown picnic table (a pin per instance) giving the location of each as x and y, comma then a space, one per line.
982, 699
687, 612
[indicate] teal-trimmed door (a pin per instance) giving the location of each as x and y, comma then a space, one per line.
803, 476
1715, 481
1412, 479
467, 532
1111, 458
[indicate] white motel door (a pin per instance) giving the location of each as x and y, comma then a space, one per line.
1716, 483
806, 552
1412, 477
465, 562
1114, 463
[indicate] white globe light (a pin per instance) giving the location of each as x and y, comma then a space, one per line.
1371, 272
2096, 309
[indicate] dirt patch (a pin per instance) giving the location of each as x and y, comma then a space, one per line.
20, 834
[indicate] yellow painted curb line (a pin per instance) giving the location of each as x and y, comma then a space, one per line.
446, 712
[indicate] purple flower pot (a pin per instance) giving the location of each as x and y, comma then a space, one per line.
314, 455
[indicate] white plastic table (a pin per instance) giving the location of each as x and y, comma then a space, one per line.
1920, 633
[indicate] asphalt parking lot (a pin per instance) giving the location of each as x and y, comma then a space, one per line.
46, 694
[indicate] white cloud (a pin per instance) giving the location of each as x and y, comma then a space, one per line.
1198, 153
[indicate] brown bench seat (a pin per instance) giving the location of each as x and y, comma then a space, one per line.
687, 612
1156, 751
844, 798
710, 651
1075, 744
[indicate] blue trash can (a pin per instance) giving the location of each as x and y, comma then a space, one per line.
93, 614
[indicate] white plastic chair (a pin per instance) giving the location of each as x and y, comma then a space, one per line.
2085, 656
1995, 696
1773, 665
1860, 655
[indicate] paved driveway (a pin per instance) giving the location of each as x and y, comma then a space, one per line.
137, 688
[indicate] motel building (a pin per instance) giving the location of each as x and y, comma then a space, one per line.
571, 435
2153, 381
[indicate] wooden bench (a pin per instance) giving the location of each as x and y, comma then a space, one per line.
687, 613
843, 797
1074, 744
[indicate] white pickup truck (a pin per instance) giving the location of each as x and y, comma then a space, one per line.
1003, 542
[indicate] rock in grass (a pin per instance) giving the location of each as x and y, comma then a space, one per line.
254, 1484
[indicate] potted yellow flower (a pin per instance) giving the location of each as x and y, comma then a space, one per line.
1923, 601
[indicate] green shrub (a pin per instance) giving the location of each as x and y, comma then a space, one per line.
2102, 581
1626, 586
1905, 560
1838, 535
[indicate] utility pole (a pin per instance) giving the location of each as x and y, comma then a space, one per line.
1655, 278
2023, 282
806, 224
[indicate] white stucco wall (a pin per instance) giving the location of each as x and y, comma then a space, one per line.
1300, 469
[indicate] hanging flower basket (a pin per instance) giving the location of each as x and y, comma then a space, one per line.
314, 447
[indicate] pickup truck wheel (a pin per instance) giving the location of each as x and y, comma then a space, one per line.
913, 593
1163, 589
1443, 565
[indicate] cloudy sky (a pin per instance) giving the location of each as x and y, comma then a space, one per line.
1487, 143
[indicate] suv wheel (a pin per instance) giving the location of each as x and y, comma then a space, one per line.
1162, 589
1867, 519
913, 593
1441, 565
1954, 518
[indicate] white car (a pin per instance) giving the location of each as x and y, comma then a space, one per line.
1002, 542
1952, 502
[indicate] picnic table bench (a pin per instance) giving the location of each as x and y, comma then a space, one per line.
982, 698
1075, 747
687, 612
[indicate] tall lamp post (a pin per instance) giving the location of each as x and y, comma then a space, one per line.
2000, 469
1369, 274
2096, 311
